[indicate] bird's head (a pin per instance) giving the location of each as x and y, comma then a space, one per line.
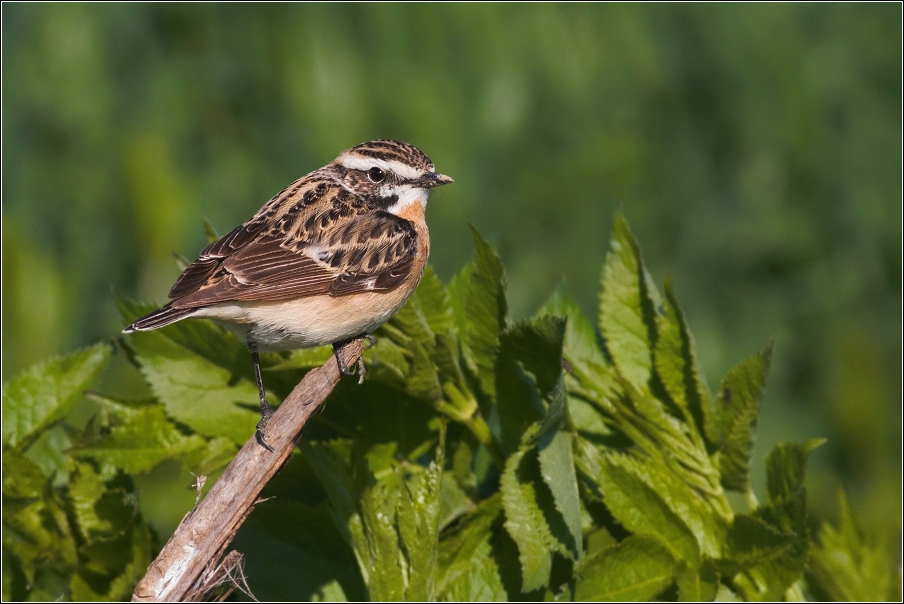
389, 175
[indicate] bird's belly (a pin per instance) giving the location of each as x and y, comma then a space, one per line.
307, 322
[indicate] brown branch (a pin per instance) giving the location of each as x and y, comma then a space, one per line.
195, 549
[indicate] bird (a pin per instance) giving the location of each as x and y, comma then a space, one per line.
327, 260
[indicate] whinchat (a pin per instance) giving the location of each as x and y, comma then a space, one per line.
329, 259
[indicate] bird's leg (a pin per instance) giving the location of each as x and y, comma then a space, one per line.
340, 355
266, 410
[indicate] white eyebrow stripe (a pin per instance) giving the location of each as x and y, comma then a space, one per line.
358, 162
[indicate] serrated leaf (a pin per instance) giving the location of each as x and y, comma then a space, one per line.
466, 569
525, 522
385, 576
537, 344
737, 406
454, 502
483, 312
628, 303
201, 373
585, 363
86, 487
46, 391
121, 586
146, 439
678, 367
752, 541
637, 569
580, 343
786, 466
697, 584
846, 566
641, 509
432, 299
786, 513
35, 525
557, 468
417, 515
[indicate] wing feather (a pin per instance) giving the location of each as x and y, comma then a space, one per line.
328, 247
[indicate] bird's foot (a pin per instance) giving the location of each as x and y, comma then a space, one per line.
339, 352
261, 427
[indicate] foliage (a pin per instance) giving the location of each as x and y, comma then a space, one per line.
71, 527
481, 459
756, 147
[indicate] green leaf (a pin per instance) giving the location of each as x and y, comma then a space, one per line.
537, 344
737, 406
580, 342
637, 569
697, 584
525, 522
752, 541
308, 548
786, 513
557, 468
330, 461
35, 525
628, 303
418, 525
146, 439
454, 501
786, 466
678, 367
123, 583
304, 359
467, 570
483, 311
642, 509
846, 566
45, 392
201, 373
433, 302
380, 556
86, 487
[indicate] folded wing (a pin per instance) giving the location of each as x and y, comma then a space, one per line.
331, 251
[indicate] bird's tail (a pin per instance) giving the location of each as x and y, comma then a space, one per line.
160, 318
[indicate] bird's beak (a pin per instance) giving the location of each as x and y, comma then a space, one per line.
433, 179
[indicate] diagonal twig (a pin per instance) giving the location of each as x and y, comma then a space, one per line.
201, 539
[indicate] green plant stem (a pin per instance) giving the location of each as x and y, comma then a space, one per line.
481, 431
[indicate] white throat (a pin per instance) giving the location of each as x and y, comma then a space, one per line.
408, 196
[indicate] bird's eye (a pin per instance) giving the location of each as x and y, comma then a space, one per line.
376, 175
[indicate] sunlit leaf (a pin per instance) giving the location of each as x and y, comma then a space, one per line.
480, 294
678, 366
467, 570
45, 392
146, 439
737, 406
697, 584
525, 522
201, 373
636, 569
628, 307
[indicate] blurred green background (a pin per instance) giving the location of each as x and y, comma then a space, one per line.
756, 150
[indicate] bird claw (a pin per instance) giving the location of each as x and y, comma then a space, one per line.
339, 352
